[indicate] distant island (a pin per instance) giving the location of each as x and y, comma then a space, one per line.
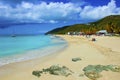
110, 23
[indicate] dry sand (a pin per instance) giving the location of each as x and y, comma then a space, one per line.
104, 51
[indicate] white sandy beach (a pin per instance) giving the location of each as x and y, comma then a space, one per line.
104, 51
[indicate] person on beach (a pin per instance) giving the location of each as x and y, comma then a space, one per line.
93, 39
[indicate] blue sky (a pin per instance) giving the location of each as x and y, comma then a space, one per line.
55, 12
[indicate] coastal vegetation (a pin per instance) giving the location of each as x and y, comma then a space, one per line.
110, 23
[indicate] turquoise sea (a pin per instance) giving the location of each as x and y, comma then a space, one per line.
20, 48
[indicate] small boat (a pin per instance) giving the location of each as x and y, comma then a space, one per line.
13, 35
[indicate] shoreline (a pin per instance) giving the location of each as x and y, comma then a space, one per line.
34, 53
77, 47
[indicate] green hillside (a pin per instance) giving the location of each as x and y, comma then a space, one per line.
109, 23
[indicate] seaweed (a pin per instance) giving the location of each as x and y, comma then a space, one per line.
54, 70
90, 71
114, 68
93, 71
37, 73
93, 75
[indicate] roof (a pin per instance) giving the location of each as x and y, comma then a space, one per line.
102, 31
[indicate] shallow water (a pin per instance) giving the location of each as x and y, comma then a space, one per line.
19, 48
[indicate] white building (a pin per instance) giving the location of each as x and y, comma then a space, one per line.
102, 32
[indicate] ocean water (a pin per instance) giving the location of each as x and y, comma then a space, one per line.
20, 48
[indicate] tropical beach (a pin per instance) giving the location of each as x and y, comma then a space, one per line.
59, 39
100, 52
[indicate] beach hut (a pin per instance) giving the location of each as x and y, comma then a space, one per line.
102, 32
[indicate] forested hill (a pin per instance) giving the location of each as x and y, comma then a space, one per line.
109, 23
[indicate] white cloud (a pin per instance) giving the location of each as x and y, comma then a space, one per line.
54, 12
53, 21
40, 12
90, 12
